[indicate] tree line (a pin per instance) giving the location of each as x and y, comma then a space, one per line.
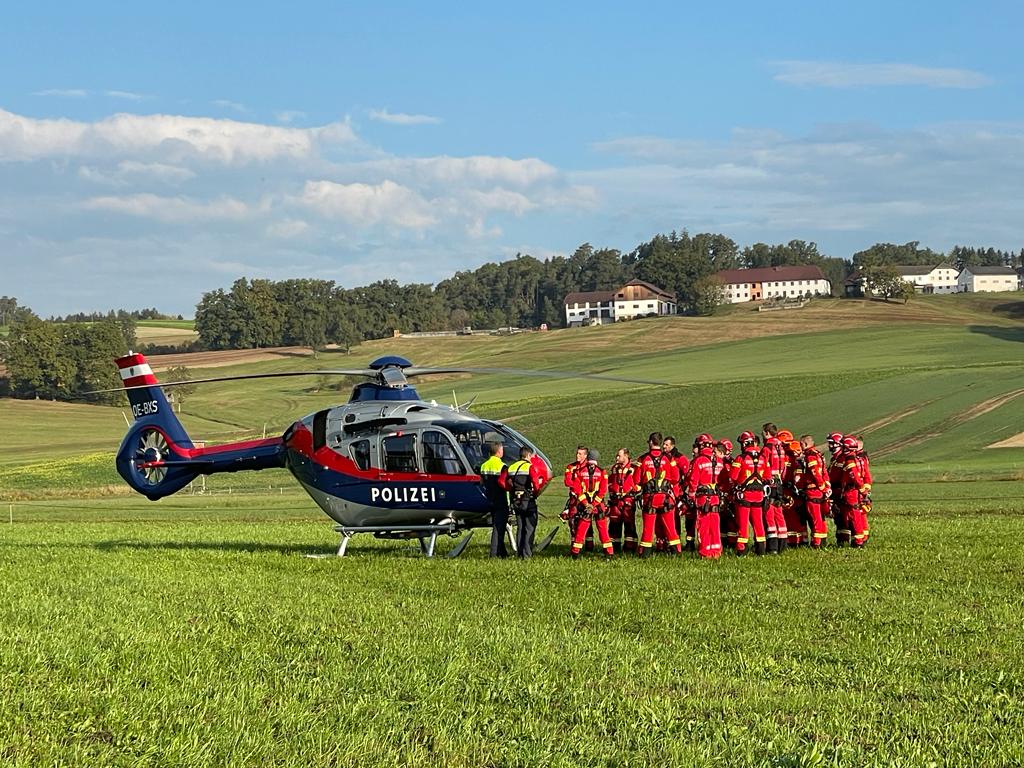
64, 359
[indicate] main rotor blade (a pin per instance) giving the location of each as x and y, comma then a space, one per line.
338, 372
416, 371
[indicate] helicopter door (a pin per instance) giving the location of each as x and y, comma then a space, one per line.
439, 454
400, 453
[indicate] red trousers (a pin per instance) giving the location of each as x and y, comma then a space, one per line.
708, 527
747, 513
845, 507
665, 517
775, 522
796, 526
583, 525
816, 512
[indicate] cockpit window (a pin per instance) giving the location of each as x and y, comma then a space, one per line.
400, 453
360, 451
473, 437
439, 455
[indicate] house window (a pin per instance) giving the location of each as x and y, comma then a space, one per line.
650, 306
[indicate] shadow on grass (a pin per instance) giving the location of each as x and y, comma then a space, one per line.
999, 332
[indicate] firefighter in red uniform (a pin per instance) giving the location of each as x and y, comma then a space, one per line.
747, 478
726, 513
670, 449
591, 490
793, 510
835, 478
864, 464
702, 490
571, 503
622, 503
774, 457
816, 490
855, 489
656, 475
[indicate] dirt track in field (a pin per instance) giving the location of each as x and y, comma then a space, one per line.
970, 414
1017, 441
226, 357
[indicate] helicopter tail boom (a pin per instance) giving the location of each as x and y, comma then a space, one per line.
157, 457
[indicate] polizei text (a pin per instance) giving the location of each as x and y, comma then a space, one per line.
413, 495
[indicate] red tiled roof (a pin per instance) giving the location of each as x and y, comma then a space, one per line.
765, 274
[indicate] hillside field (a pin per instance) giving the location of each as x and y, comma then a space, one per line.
192, 631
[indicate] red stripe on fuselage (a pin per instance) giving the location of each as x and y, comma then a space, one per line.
301, 440
213, 450
136, 381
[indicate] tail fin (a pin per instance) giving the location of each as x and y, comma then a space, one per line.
157, 457
149, 403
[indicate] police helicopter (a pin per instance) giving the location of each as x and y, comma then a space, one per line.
386, 463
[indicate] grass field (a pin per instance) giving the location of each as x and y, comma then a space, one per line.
193, 631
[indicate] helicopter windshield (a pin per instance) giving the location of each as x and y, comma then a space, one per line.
472, 437
511, 437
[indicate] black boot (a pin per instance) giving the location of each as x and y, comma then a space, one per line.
783, 545
772, 546
760, 548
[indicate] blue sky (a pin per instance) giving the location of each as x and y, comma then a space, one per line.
150, 154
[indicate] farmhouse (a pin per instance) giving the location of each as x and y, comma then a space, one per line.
988, 279
635, 299
739, 285
942, 278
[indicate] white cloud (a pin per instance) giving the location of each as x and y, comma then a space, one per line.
169, 209
129, 171
289, 115
286, 229
368, 204
836, 74
172, 137
127, 95
400, 118
63, 93
234, 106
940, 184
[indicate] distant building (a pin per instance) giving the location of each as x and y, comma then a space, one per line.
762, 283
988, 279
635, 299
942, 278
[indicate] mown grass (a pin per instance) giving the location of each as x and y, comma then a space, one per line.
203, 637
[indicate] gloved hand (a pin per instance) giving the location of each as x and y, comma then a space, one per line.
565, 514
828, 493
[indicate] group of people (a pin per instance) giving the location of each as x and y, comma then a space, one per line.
775, 492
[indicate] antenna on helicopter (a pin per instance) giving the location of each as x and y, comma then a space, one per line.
456, 399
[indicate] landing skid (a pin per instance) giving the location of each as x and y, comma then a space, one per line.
426, 534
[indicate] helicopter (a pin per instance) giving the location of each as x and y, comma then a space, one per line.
386, 463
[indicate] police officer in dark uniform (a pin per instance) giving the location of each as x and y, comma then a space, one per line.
523, 480
490, 474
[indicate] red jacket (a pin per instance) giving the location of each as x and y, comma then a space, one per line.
748, 475
774, 456
815, 476
656, 476
591, 486
852, 480
704, 473
620, 480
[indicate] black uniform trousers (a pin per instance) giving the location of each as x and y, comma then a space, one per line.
499, 528
527, 527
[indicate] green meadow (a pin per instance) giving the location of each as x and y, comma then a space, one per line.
193, 630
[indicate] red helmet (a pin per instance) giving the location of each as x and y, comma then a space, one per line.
703, 440
835, 437
850, 443
785, 435
746, 438
726, 444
